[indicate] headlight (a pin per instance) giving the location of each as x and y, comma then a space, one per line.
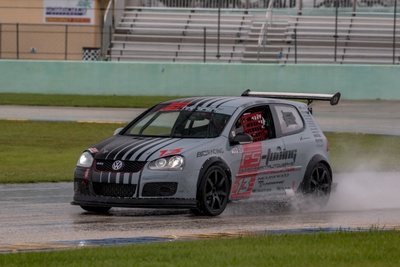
173, 163
85, 160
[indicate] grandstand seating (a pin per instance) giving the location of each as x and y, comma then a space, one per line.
193, 35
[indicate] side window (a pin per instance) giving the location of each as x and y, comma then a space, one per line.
256, 122
289, 119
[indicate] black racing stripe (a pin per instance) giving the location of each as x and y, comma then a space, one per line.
219, 99
121, 146
145, 146
163, 142
123, 143
196, 101
134, 143
226, 101
204, 101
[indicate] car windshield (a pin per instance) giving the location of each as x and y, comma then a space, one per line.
166, 122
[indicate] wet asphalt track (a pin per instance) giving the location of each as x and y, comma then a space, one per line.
39, 216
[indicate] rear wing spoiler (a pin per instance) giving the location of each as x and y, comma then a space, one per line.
332, 98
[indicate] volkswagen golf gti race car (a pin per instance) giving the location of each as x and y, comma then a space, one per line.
200, 153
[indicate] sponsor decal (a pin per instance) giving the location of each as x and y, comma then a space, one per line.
168, 152
251, 159
261, 189
175, 106
209, 152
93, 150
288, 118
319, 142
283, 155
236, 150
273, 182
262, 180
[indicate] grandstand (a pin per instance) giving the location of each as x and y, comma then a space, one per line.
193, 34
212, 31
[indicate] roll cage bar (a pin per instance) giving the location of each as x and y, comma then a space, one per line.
332, 98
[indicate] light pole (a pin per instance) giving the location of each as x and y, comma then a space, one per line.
219, 28
394, 31
336, 27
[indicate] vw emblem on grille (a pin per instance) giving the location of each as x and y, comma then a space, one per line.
117, 165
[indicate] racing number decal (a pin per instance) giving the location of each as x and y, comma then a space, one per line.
250, 161
243, 185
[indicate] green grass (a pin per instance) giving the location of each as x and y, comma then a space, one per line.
82, 100
33, 151
45, 151
352, 152
363, 249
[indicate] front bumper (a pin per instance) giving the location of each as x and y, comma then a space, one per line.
154, 194
134, 202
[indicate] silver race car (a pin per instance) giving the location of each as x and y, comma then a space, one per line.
201, 153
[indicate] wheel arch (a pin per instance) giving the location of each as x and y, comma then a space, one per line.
203, 207
314, 161
211, 161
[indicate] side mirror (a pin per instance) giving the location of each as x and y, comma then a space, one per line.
242, 139
117, 131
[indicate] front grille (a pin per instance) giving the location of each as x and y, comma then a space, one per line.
159, 189
114, 190
127, 166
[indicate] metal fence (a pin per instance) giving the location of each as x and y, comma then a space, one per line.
248, 4
240, 4
71, 42
49, 42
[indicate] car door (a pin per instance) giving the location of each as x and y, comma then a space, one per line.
298, 143
259, 162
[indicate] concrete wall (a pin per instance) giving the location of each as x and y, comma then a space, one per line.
28, 11
128, 78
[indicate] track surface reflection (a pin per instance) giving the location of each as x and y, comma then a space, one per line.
41, 213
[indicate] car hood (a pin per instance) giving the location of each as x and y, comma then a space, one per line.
148, 148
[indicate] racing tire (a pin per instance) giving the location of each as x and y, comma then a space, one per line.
213, 191
96, 209
316, 187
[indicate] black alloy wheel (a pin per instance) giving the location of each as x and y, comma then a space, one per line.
316, 187
213, 192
